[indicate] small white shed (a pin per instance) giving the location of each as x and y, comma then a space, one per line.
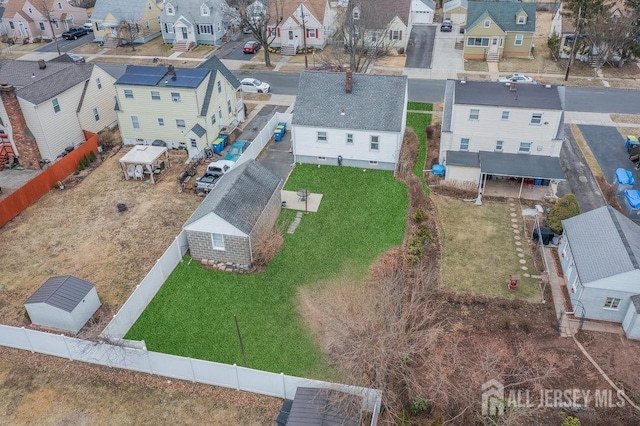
64, 303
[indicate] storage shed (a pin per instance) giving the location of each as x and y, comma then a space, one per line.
64, 303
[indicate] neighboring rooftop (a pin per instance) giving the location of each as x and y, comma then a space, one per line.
23, 73
64, 292
376, 102
314, 406
46, 88
452, 4
502, 13
604, 243
499, 94
131, 10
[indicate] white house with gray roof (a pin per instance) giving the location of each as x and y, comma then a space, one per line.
348, 119
600, 257
227, 225
495, 131
193, 22
108, 17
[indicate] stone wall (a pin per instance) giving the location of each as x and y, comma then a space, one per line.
236, 249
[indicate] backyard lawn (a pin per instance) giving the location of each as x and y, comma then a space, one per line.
480, 251
418, 122
361, 215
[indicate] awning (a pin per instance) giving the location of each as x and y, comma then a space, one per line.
463, 158
520, 165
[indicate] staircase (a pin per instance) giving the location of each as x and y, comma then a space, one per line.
493, 57
181, 45
594, 61
111, 43
6, 153
288, 50
459, 44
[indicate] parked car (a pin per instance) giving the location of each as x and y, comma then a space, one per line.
76, 58
518, 78
214, 172
446, 26
74, 33
88, 25
251, 47
253, 85
236, 150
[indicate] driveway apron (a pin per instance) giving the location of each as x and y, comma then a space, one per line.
420, 47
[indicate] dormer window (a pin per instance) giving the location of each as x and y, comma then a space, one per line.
522, 19
30, 10
356, 14
170, 10
204, 10
487, 23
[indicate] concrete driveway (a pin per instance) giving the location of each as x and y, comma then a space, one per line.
420, 47
446, 60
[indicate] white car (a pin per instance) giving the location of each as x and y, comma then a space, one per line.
518, 78
253, 85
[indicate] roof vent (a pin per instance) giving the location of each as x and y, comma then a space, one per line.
42, 64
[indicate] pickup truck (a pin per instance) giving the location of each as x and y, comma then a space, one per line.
214, 172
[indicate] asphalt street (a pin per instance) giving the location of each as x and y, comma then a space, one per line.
420, 47
67, 45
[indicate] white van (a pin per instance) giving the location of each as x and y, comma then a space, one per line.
88, 25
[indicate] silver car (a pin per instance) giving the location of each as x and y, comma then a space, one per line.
253, 85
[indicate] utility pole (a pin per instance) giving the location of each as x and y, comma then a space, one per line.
573, 47
304, 37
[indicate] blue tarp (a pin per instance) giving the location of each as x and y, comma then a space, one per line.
624, 177
633, 198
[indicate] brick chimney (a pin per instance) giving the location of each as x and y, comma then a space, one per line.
26, 145
349, 85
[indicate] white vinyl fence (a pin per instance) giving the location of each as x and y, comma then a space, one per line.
206, 372
262, 139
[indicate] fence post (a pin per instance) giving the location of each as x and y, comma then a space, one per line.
177, 243
284, 387
164, 276
28, 340
149, 360
193, 372
235, 366
66, 344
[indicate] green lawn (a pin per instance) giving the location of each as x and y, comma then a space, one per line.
418, 122
480, 251
419, 106
361, 215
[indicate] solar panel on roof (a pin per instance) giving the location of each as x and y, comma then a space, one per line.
142, 75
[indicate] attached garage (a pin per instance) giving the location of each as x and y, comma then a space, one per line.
63, 303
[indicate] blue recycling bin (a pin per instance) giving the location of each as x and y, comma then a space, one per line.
279, 131
218, 145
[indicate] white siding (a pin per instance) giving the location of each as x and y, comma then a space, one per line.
47, 316
489, 128
306, 144
103, 99
293, 25
420, 13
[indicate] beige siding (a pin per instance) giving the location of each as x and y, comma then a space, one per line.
101, 98
467, 176
511, 50
151, 15
478, 52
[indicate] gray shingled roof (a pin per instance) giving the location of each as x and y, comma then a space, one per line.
190, 9
23, 73
453, 4
376, 103
503, 13
521, 165
447, 114
131, 10
215, 65
498, 94
635, 299
240, 196
55, 84
314, 406
604, 243
64, 292
430, 3
198, 130
463, 158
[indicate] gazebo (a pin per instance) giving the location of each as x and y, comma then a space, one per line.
145, 161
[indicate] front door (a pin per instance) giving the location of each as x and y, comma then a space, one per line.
290, 35
23, 31
184, 33
494, 44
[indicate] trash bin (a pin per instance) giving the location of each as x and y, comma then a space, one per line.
623, 180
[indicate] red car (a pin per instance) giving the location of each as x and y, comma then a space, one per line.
251, 47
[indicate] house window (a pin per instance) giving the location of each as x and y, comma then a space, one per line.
322, 158
612, 303
219, 87
168, 28
375, 143
170, 10
57, 24
146, 25
217, 241
522, 20
30, 10
135, 122
505, 115
478, 41
155, 95
56, 105
374, 37
180, 124
464, 144
373, 163
175, 96
204, 29
525, 148
395, 35
536, 118
11, 25
204, 10
474, 114
96, 114
229, 106
219, 112
128, 94
518, 40
100, 26
499, 146
349, 138
322, 136
213, 119
312, 33
356, 14
41, 26
160, 121
487, 23
99, 83
194, 143
60, 5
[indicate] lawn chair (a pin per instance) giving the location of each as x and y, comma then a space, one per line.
131, 171
139, 172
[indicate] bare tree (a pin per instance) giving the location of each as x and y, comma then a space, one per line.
50, 19
129, 30
611, 39
262, 18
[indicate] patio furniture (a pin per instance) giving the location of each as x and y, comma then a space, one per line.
139, 171
131, 171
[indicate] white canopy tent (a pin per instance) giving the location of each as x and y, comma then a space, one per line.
143, 161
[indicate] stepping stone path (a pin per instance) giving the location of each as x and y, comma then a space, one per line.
295, 223
518, 243
526, 275
517, 237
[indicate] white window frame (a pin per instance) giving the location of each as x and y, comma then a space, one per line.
204, 10
175, 97
499, 146
194, 142
42, 28
219, 86
482, 41
217, 243
374, 143
522, 20
313, 33
170, 10
395, 35
96, 114
356, 14
505, 115
518, 40
213, 119
349, 138
180, 121
56, 105
487, 23
135, 122
474, 114
464, 144
168, 28
229, 106
373, 163
128, 94
525, 148
160, 121
155, 95
612, 303
374, 37
536, 119
60, 5
322, 137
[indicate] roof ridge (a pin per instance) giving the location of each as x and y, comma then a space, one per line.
625, 242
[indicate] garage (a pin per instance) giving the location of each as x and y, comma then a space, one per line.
422, 11
456, 10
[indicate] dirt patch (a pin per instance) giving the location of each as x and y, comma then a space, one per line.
394, 61
625, 118
88, 49
586, 151
156, 47
143, 61
386, 72
200, 51
256, 96
625, 131
476, 66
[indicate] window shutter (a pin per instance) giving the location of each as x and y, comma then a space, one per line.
269, 31
390, 34
307, 32
400, 37
278, 31
197, 29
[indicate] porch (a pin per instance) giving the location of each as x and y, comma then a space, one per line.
518, 188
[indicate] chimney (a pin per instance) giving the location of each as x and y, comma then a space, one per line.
25, 143
171, 70
513, 86
349, 85
42, 64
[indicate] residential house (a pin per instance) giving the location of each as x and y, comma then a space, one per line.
185, 107
495, 131
600, 258
422, 12
390, 21
499, 29
227, 225
187, 23
456, 10
117, 20
27, 20
349, 119
46, 106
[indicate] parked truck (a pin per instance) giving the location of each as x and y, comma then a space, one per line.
215, 170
